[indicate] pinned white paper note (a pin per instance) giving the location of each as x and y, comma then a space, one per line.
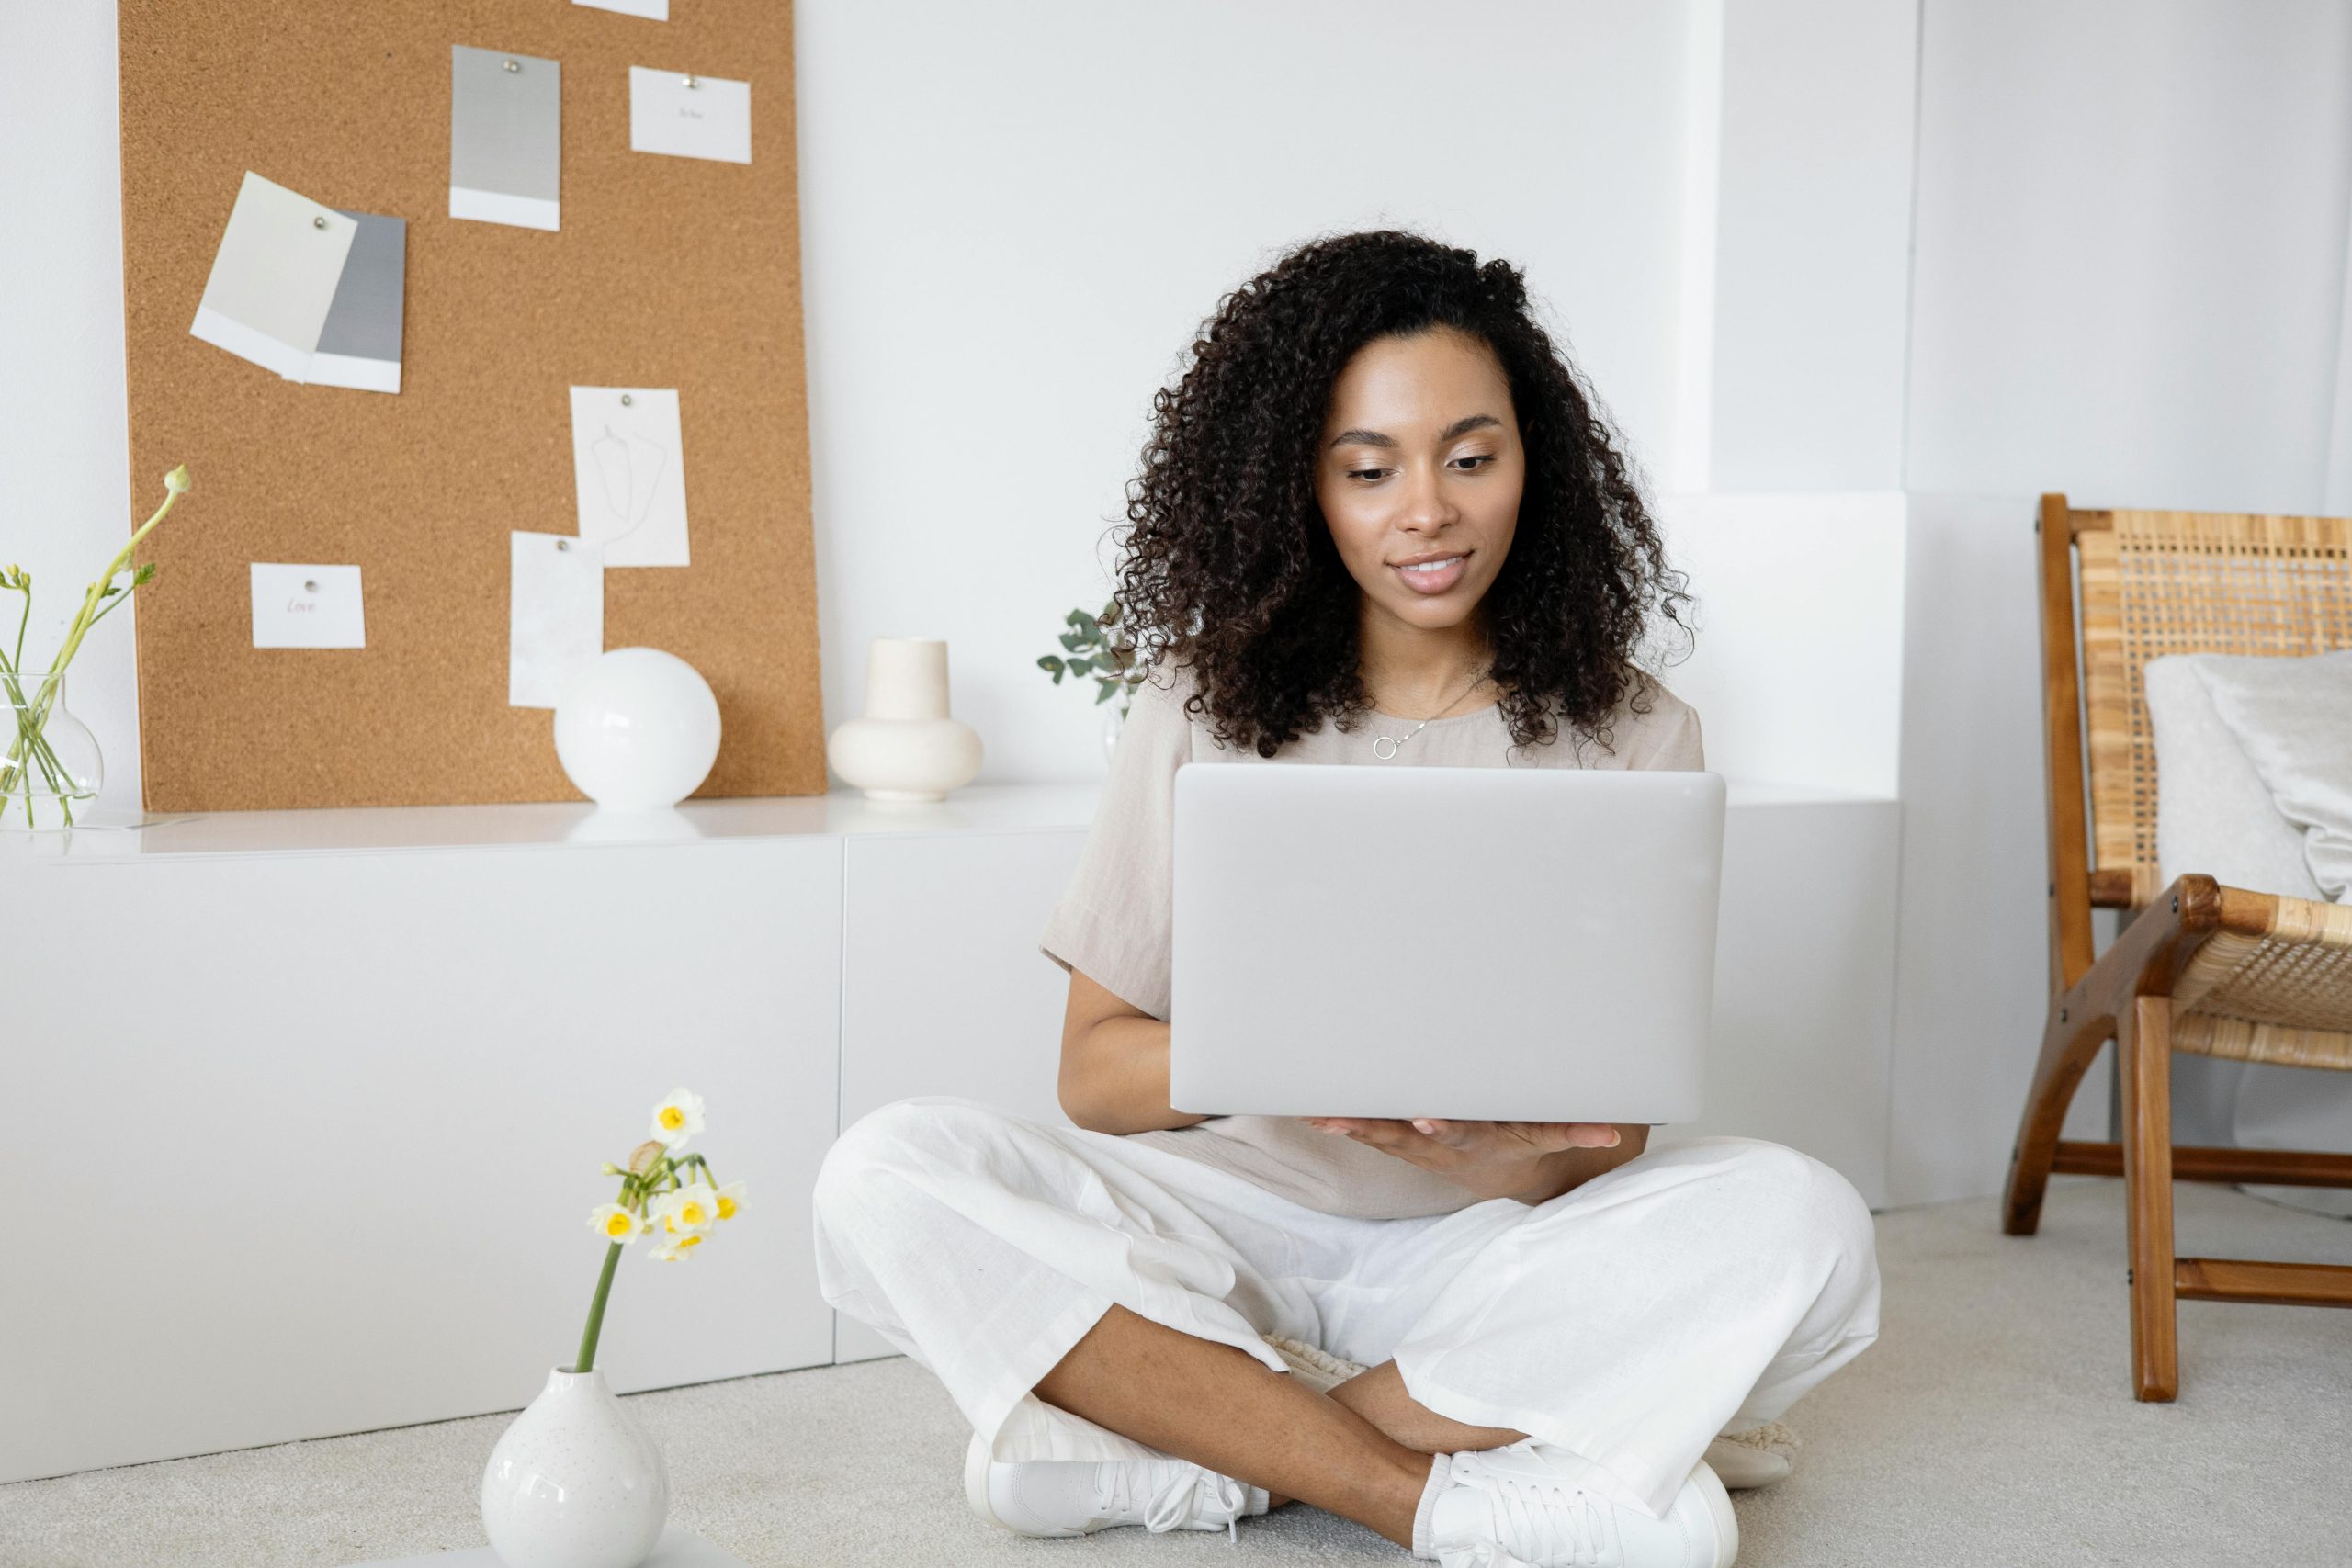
628, 463
689, 116
273, 277
651, 10
307, 607
555, 615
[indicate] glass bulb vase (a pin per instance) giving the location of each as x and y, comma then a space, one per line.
49, 767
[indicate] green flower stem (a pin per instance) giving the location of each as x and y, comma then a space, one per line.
96, 590
586, 1359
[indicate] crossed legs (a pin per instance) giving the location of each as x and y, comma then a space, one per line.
1362, 1450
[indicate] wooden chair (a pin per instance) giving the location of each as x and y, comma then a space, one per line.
2199, 967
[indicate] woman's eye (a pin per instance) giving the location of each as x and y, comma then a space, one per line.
1365, 474
1476, 459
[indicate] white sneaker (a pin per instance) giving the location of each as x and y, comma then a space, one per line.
1055, 1497
1512, 1507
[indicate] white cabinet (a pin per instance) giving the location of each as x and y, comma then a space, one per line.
329, 1091
310, 1141
943, 988
1799, 1048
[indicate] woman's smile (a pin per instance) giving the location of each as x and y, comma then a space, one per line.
1434, 576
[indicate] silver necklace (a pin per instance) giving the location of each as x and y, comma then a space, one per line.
1393, 741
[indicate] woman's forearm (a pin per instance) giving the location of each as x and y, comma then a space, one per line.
1115, 1080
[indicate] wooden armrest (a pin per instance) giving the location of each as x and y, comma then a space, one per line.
2148, 957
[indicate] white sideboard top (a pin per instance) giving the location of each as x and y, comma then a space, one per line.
973, 808
983, 808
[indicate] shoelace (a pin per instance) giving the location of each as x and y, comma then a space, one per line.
1169, 1495
1554, 1523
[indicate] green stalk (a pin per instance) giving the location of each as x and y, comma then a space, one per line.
586, 1359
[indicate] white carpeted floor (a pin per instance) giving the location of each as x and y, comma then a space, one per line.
1991, 1425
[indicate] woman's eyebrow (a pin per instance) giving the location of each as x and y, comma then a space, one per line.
1467, 423
1461, 426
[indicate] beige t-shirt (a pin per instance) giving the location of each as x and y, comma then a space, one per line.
1115, 921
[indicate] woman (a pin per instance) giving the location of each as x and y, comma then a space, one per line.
1378, 522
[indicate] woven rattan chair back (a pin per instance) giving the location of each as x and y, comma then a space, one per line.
2161, 583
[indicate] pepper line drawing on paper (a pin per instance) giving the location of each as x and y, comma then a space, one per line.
628, 470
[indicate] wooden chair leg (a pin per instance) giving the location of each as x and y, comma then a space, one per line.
2069, 1045
2143, 1042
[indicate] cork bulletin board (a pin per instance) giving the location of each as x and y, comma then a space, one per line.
667, 272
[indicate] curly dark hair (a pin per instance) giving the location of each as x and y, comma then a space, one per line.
1229, 568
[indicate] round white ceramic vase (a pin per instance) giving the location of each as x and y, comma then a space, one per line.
636, 729
575, 1482
905, 747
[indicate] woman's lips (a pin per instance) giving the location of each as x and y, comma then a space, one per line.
1440, 577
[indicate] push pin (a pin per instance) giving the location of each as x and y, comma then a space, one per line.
563, 544
692, 83
627, 401
318, 222
308, 586
512, 66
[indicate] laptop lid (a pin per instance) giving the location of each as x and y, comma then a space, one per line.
1504, 943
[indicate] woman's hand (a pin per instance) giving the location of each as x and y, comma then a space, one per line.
1532, 1161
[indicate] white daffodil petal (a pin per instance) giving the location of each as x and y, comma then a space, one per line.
730, 1200
615, 1224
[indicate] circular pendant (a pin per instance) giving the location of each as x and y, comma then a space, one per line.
1387, 741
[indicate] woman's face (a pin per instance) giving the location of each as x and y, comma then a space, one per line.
1421, 463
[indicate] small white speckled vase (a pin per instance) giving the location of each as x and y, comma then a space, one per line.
575, 1482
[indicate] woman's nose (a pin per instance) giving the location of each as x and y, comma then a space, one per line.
1424, 497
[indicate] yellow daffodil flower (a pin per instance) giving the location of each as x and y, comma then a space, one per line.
730, 1200
690, 1211
615, 1224
677, 1118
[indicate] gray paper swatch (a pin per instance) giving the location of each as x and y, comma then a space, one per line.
506, 138
360, 344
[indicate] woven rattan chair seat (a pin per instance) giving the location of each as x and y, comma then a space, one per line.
2282, 995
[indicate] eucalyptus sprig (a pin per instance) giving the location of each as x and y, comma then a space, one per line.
1110, 659
28, 749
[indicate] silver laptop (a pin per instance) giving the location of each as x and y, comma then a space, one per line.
1503, 943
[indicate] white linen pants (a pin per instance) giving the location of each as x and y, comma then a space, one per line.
1694, 1288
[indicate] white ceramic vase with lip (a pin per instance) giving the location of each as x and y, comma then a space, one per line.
905, 747
575, 1482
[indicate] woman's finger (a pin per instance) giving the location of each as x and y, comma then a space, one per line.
1557, 1135
1381, 1133
1452, 1134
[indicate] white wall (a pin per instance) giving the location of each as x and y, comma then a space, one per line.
2130, 250
1812, 235
1016, 216
66, 498
1796, 670
1832, 249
